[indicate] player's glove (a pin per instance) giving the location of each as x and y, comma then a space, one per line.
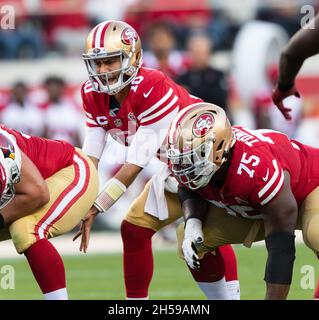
193, 237
279, 94
171, 184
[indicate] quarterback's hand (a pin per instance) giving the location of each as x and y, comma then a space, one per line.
278, 96
85, 228
193, 236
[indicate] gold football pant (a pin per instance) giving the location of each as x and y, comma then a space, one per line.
221, 228
72, 193
137, 216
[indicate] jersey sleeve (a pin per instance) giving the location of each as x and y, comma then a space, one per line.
85, 94
157, 101
268, 180
94, 142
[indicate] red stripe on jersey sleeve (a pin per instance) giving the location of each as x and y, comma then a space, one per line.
91, 125
159, 117
273, 191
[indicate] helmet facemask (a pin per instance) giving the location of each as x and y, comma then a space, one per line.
11, 172
199, 141
109, 39
193, 168
125, 74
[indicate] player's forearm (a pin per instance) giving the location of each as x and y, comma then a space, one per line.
279, 267
302, 45
194, 206
289, 67
128, 173
116, 187
31, 192
22, 205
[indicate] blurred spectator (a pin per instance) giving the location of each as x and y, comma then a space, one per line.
21, 114
66, 25
182, 14
202, 80
162, 53
23, 42
286, 14
101, 10
268, 115
62, 118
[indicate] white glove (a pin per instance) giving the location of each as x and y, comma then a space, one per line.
171, 184
193, 237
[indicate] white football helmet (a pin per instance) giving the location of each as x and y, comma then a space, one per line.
199, 141
10, 167
113, 39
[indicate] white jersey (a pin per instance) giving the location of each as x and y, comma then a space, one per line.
63, 121
28, 119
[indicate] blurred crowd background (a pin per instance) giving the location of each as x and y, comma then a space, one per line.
224, 51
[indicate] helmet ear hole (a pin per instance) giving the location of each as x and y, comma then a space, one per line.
220, 145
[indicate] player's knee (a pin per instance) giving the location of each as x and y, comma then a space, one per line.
180, 237
311, 235
23, 246
22, 234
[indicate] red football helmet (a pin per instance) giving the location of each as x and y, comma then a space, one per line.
10, 167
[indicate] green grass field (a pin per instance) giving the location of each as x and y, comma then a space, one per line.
100, 276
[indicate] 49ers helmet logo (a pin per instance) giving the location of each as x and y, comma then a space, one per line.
129, 35
203, 124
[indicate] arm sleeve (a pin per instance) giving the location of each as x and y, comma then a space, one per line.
148, 140
94, 141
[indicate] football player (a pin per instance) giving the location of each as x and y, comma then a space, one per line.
238, 186
136, 105
301, 46
46, 188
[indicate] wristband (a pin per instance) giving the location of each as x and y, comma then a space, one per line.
112, 191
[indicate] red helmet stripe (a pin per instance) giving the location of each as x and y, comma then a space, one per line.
98, 33
103, 34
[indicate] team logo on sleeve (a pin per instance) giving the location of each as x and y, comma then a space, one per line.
118, 122
131, 116
203, 124
129, 36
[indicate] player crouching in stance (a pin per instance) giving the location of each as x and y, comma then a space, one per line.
238, 186
47, 186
